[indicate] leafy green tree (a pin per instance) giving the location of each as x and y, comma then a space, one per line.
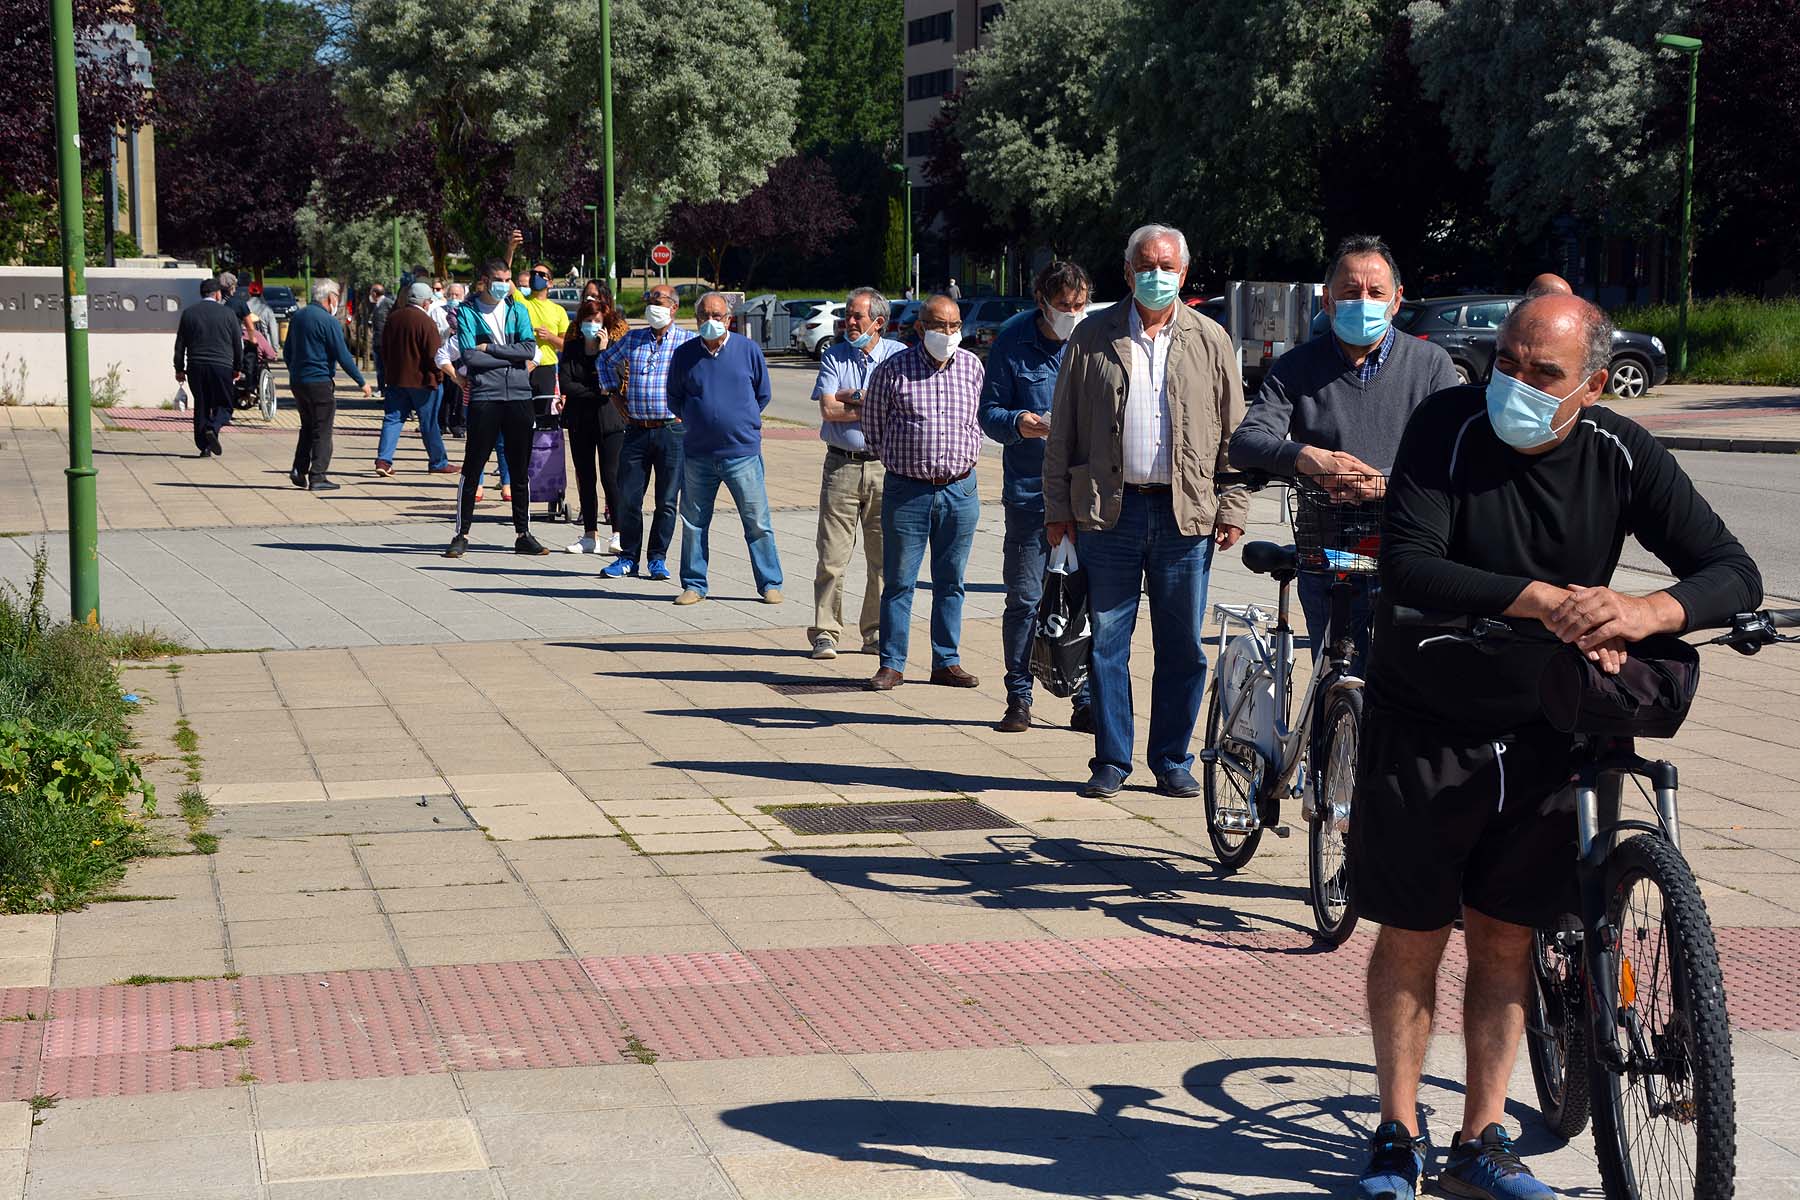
357, 251
1558, 103
852, 78
1033, 140
263, 36
895, 276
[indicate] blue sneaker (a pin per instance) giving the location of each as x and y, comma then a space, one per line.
1396, 1167
1487, 1168
659, 571
619, 568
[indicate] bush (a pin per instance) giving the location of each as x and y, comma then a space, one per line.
66, 828
58, 676
1733, 339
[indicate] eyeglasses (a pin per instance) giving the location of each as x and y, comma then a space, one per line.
944, 326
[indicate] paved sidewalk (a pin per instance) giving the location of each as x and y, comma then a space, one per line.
1720, 417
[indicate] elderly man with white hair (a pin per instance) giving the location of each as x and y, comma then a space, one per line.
1146, 401
718, 388
314, 350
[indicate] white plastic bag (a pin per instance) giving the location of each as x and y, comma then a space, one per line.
181, 397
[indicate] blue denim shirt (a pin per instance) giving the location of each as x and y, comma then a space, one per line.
1021, 378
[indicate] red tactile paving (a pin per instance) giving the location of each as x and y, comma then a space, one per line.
116, 1041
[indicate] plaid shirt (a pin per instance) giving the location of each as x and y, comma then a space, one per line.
645, 359
921, 420
1371, 365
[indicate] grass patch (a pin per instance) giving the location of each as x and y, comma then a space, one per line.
1731, 339
246, 1077
236, 1043
30, 1016
147, 980
125, 898
39, 1105
186, 740
144, 644
635, 1047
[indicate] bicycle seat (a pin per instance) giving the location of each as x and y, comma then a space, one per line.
1268, 558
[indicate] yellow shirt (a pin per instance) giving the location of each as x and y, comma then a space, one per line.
546, 314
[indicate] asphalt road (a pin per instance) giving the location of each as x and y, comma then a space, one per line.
1757, 494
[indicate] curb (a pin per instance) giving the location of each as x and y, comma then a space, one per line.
1677, 441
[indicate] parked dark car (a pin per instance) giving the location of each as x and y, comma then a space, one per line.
983, 316
902, 323
1467, 327
281, 300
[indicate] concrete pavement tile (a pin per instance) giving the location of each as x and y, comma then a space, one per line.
223, 1163
717, 821
478, 922
611, 890
1126, 1063
387, 1148
26, 935
450, 899
481, 948
320, 956
798, 1175
285, 792
457, 1185
614, 1135
668, 939
796, 935
701, 843
563, 1089
690, 1178
963, 925
106, 1121
738, 1080
12, 1173
948, 1071
109, 968
25, 972
15, 1124
723, 864
740, 910
458, 873
356, 1102
623, 914
790, 884
300, 906
307, 931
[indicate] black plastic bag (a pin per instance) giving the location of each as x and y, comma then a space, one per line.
1062, 634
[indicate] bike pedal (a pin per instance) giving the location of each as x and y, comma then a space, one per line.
1209, 756
1280, 831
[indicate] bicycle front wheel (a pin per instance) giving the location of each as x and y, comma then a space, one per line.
1232, 823
1556, 1032
1664, 1121
1328, 859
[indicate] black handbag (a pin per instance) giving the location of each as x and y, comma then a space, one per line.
1649, 697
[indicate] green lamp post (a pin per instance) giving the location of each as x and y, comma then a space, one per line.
1689, 46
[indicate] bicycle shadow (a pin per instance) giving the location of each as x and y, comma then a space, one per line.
1270, 1126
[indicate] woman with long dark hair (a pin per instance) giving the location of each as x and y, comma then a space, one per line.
595, 425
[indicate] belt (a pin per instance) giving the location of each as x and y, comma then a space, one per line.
637, 424
855, 456
943, 482
1150, 489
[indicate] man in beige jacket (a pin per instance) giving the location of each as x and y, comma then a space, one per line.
1146, 402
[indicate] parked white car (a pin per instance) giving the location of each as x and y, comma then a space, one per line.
815, 334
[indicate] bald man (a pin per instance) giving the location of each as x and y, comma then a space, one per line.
1509, 500
1548, 285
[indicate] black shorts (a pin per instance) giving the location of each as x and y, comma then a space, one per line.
1440, 821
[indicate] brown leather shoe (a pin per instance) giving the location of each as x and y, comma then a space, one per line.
885, 680
954, 676
1017, 718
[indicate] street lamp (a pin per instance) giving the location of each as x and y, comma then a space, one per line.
606, 141
906, 178
1689, 46
595, 209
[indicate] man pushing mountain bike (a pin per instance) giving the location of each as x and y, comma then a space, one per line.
1509, 501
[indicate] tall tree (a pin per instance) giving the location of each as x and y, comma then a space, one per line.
264, 36
852, 79
1033, 139
797, 209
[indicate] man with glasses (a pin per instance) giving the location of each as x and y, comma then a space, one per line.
919, 418
637, 365
850, 492
1015, 411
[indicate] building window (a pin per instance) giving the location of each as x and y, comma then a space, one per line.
990, 13
929, 83
938, 27
921, 143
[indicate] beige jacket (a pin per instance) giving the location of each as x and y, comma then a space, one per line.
1084, 460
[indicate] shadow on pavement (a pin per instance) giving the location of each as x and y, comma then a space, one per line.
897, 778
807, 718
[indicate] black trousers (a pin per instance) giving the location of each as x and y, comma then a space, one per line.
488, 420
596, 451
210, 392
317, 405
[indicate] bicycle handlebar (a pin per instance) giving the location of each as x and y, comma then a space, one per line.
1750, 631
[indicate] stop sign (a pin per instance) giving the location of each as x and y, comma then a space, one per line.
661, 255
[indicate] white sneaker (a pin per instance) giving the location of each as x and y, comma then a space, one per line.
615, 546
586, 545
824, 647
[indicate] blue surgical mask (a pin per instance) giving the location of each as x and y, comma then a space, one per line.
1360, 322
861, 341
499, 289
712, 331
1522, 415
540, 283
1156, 289
590, 329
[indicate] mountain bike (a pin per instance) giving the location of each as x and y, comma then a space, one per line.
1626, 1022
1253, 758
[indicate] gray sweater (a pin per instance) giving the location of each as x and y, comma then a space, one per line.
1312, 397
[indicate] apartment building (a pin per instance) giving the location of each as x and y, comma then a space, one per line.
937, 31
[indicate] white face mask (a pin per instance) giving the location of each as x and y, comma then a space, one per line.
941, 345
1062, 324
658, 316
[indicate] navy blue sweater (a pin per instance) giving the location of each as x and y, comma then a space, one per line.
720, 397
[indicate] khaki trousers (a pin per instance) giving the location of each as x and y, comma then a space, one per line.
849, 499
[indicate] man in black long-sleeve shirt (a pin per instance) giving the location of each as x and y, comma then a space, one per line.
1513, 500
209, 358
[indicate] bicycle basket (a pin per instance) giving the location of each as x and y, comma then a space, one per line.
1333, 537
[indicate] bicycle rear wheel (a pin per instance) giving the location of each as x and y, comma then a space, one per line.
1328, 860
1556, 1032
1232, 823
1664, 1124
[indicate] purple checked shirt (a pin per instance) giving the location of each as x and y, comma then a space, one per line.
920, 420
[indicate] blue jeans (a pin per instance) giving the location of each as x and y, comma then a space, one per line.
643, 449
915, 515
743, 478
1315, 603
1025, 554
402, 402
1146, 553
505, 469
